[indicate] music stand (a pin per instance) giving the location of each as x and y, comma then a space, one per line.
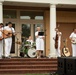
41, 33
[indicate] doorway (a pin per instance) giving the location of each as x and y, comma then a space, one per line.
29, 30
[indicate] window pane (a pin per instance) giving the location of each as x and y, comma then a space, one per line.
24, 17
9, 14
31, 15
37, 25
39, 17
26, 30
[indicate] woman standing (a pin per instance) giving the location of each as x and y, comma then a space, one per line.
39, 43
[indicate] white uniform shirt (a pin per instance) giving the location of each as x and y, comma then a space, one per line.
30, 41
36, 34
9, 29
73, 35
59, 37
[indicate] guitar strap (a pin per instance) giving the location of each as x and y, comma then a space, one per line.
12, 31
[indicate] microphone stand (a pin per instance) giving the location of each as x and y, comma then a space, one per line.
17, 46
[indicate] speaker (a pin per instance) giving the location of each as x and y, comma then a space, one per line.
61, 69
71, 66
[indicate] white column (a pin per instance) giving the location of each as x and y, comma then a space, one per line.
1, 12
52, 30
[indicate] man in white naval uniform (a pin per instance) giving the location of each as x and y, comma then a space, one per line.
1, 40
73, 40
39, 43
8, 41
30, 40
58, 42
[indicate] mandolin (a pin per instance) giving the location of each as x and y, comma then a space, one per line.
65, 49
73, 41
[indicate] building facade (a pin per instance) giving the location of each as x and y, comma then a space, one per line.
26, 15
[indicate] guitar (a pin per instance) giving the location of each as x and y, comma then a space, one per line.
65, 50
7, 34
1, 38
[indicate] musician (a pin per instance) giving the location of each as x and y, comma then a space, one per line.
1, 41
8, 40
39, 43
73, 38
30, 40
57, 39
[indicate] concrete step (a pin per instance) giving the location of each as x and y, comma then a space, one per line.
28, 59
22, 71
27, 65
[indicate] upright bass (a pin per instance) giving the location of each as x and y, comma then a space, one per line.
56, 41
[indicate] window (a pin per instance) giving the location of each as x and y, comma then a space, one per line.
26, 31
31, 15
9, 14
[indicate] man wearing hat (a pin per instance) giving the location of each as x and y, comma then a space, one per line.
8, 39
1, 40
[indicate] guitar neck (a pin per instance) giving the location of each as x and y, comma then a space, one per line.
65, 43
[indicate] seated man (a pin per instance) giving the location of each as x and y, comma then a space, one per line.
30, 40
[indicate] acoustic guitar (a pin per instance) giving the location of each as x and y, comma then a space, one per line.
7, 34
65, 49
1, 38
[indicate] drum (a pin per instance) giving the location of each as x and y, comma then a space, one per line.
31, 52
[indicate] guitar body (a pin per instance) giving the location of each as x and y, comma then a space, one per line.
66, 52
1, 38
7, 34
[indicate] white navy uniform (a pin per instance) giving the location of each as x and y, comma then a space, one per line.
1, 44
8, 41
73, 35
39, 42
59, 44
31, 41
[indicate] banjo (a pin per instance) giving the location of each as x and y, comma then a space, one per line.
65, 49
73, 41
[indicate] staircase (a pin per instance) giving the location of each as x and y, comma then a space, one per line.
27, 65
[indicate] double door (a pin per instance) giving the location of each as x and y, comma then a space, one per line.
23, 31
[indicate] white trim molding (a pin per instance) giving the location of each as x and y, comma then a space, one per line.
1, 12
